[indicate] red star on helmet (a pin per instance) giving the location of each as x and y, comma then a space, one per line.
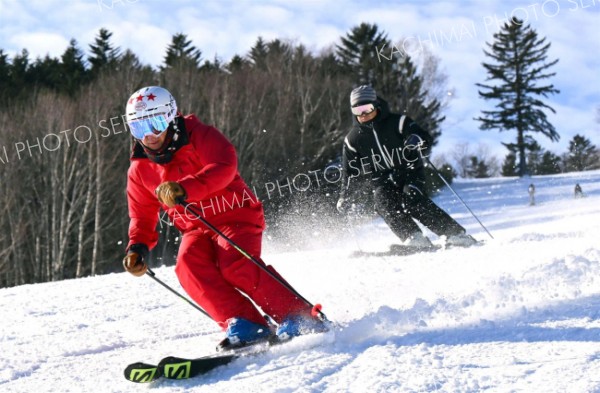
151, 97
139, 98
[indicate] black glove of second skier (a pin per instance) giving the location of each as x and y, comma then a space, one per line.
414, 147
343, 205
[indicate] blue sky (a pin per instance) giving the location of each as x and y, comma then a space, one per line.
454, 31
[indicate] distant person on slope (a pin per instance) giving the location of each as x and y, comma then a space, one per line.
174, 157
389, 147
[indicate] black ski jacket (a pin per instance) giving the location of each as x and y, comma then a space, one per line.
378, 148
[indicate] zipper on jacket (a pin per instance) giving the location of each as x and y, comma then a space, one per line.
385, 157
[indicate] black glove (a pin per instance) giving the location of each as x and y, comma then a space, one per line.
343, 205
413, 150
134, 261
398, 177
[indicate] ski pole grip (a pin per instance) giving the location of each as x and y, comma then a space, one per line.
316, 312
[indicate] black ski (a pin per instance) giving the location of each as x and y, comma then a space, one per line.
403, 250
180, 368
395, 250
173, 367
476, 244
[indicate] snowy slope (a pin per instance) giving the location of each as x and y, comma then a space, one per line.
520, 313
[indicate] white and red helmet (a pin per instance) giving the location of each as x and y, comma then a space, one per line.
150, 109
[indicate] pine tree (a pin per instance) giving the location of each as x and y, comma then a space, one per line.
215, 65
104, 55
46, 72
73, 69
272, 56
237, 63
482, 170
181, 50
549, 164
258, 54
358, 56
5, 79
520, 65
19, 69
534, 158
509, 166
131, 72
582, 155
477, 169
279, 54
279, 48
19, 74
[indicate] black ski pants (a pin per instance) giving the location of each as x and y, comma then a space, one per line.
398, 202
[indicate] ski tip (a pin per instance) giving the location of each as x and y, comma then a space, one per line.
142, 372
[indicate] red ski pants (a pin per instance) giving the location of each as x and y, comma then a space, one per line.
214, 273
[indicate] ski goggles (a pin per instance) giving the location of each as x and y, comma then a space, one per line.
362, 110
154, 125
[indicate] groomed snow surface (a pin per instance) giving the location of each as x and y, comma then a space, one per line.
520, 313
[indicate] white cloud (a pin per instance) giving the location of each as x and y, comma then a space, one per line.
133, 35
41, 44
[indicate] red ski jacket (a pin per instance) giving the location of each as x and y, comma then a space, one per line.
206, 168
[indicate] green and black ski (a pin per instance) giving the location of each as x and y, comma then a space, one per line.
173, 367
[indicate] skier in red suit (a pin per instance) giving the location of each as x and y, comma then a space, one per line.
177, 157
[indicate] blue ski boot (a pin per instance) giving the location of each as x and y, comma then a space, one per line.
297, 325
241, 332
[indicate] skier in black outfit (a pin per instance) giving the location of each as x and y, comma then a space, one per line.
389, 146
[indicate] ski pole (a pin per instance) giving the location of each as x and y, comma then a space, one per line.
314, 308
152, 275
454, 192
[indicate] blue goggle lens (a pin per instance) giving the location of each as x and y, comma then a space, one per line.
151, 125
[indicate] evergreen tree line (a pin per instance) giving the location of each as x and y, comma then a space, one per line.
65, 150
581, 155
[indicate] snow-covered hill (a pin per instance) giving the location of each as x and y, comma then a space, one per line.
520, 313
